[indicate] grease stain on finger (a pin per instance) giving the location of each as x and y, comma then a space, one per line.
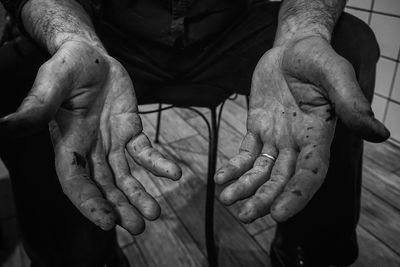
308, 155
79, 160
331, 114
297, 193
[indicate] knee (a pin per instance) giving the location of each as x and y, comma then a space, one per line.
354, 40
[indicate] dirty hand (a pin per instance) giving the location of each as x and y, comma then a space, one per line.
297, 91
88, 98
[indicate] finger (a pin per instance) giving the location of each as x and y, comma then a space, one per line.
260, 204
311, 168
51, 86
132, 188
127, 216
72, 170
249, 182
350, 103
144, 154
238, 165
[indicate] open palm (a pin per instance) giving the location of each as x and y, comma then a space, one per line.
95, 127
297, 91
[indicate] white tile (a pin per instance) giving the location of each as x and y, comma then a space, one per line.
388, 6
360, 3
387, 31
396, 88
378, 106
393, 120
363, 15
384, 76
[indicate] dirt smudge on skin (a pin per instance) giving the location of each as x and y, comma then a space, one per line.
294, 114
79, 160
106, 211
331, 113
297, 193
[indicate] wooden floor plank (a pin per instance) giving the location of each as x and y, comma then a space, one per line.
135, 256
380, 219
229, 140
373, 253
124, 238
199, 165
381, 182
166, 242
187, 198
188, 201
264, 238
241, 101
236, 116
172, 127
193, 151
188, 114
385, 154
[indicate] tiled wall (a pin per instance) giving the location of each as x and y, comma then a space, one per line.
383, 16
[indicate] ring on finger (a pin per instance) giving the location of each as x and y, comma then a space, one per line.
269, 157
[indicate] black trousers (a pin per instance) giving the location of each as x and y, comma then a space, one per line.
56, 234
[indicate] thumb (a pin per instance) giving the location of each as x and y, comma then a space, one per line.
42, 102
350, 103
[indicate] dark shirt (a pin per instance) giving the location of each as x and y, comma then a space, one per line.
158, 40
170, 22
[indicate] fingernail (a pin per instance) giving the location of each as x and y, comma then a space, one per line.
245, 217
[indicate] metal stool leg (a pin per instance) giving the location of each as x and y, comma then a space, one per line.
212, 160
158, 123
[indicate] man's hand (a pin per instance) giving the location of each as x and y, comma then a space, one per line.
298, 88
95, 127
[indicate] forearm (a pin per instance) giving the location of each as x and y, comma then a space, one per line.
307, 17
54, 22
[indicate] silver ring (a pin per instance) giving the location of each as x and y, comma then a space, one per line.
269, 156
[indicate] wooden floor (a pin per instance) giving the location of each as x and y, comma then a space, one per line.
177, 238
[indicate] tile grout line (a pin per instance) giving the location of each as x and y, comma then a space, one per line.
389, 58
370, 12
391, 87
373, 11
387, 98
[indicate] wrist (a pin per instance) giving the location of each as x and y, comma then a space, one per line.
65, 40
301, 18
291, 31
52, 23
